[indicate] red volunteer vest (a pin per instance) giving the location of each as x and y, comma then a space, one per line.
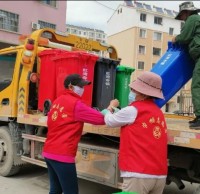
143, 144
64, 132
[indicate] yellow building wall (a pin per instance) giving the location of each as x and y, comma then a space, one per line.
124, 42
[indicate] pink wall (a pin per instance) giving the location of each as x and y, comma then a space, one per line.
32, 11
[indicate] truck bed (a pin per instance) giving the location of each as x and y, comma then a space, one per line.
97, 155
179, 133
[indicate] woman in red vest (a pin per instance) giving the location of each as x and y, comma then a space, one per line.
143, 137
65, 125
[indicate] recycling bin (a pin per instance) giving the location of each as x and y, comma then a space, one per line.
123, 76
175, 67
56, 65
76, 62
47, 83
104, 82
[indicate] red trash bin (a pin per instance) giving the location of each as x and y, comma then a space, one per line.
75, 62
47, 84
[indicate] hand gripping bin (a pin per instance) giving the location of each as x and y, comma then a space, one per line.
122, 82
104, 82
175, 67
75, 62
47, 84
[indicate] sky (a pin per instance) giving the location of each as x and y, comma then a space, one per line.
95, 14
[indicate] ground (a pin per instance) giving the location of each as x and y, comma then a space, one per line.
34, 180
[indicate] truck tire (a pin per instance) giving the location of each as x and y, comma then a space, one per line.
197, 191
7, 167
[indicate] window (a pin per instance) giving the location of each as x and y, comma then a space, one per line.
141, 49
157, 36
142, 33
79, 32
98, 35
158, 20
169, 12
143, 17
171, 31
84, 33
156, 51
46, 25
159, 10
49, 2
141, 65
74, 31
68, 30
7, 64
9, 21
139, 5
119, 11
147, 6
91, 34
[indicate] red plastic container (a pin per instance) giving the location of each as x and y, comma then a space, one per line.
56, 65
47, 82
75, 62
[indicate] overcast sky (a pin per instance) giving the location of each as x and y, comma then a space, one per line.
95, 14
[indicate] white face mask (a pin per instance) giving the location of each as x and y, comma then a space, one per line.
78, 90
131, 97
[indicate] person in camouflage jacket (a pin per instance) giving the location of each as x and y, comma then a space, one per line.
190, 35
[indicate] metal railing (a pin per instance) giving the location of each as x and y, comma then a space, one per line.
185, 103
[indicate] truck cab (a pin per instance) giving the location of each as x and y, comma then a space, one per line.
9, 76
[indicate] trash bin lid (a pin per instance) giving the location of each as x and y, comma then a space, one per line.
125, 68
108, 61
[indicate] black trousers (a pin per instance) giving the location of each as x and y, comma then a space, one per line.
62, 177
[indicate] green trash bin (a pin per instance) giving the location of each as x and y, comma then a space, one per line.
122, 81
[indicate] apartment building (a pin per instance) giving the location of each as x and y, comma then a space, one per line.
140, 34
93, 34
23, 17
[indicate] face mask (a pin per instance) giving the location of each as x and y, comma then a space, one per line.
131, 97
78, 90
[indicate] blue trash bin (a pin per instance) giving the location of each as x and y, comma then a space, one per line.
175, 67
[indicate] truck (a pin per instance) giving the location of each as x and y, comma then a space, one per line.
23, 127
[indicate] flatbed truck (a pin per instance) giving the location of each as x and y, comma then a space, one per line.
23, 129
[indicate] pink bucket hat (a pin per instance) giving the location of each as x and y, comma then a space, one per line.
148, 83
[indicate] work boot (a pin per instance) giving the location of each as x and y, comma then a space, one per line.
196, 124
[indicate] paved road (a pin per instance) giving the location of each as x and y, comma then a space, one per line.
34, 180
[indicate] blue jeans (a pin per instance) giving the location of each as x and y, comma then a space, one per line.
62, 177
